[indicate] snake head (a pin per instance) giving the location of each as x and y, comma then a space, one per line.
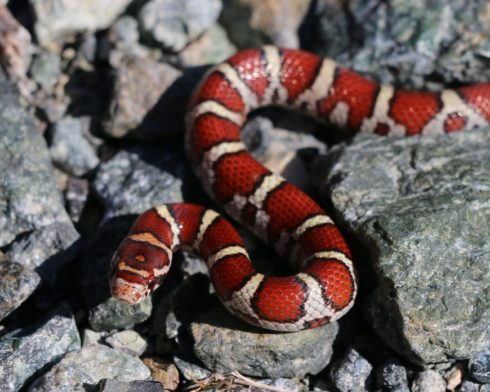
136, 271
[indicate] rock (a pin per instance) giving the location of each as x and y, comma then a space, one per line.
479, 367
83, 369
133, 386
406, 42
428, 381
164, 372
284, 384
420, 206
469, 386
57, 20
212, 47
71, 149
143, 177
190, 370
251, 23
135, 107
33, 221
46, 69
125, 30
392, 376
76, 197
16, 285
25, 352
47, 250
455, 375
113, 314
174, 24
352, 373
224, 343
128, 341
91, 338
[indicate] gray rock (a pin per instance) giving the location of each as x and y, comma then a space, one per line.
82, 370
126, 30
113, 314
16, 285
406, 42
421, 206
469, 386
45, 70
352, 373
175, 24
255, 23
90, 338
212, 47
224, 343
190, 370
133, 386
138, 179
480, 367
128, 341
392, 376
24, 353
57, 20
140, 102
31, 207
76, 197
428, 381
71, 149
46, 250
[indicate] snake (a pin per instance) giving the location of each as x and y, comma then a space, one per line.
279, 213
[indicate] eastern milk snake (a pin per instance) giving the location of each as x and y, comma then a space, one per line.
274, 209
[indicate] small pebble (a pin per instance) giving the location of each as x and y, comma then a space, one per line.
164, 372
480, 367
352, 372
429, 381
128, 341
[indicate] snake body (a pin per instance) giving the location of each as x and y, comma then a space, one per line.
325, 287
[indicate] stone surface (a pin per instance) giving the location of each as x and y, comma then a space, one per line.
252, 23
212, 47
140, 178
421, 208
128, 341
71, 148
16, 285
428, 381
405, 41
83, 369
133, 386
33, 220
392, 376
46, 69
112, 314
164, 372
57, 20
224, 343
24, 353
136, 104
469, 386
190, 370
174, 24
479, 367
76, 196
352, 373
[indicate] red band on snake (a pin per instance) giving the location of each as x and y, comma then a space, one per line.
277, 211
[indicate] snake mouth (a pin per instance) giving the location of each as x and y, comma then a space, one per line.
128, 292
